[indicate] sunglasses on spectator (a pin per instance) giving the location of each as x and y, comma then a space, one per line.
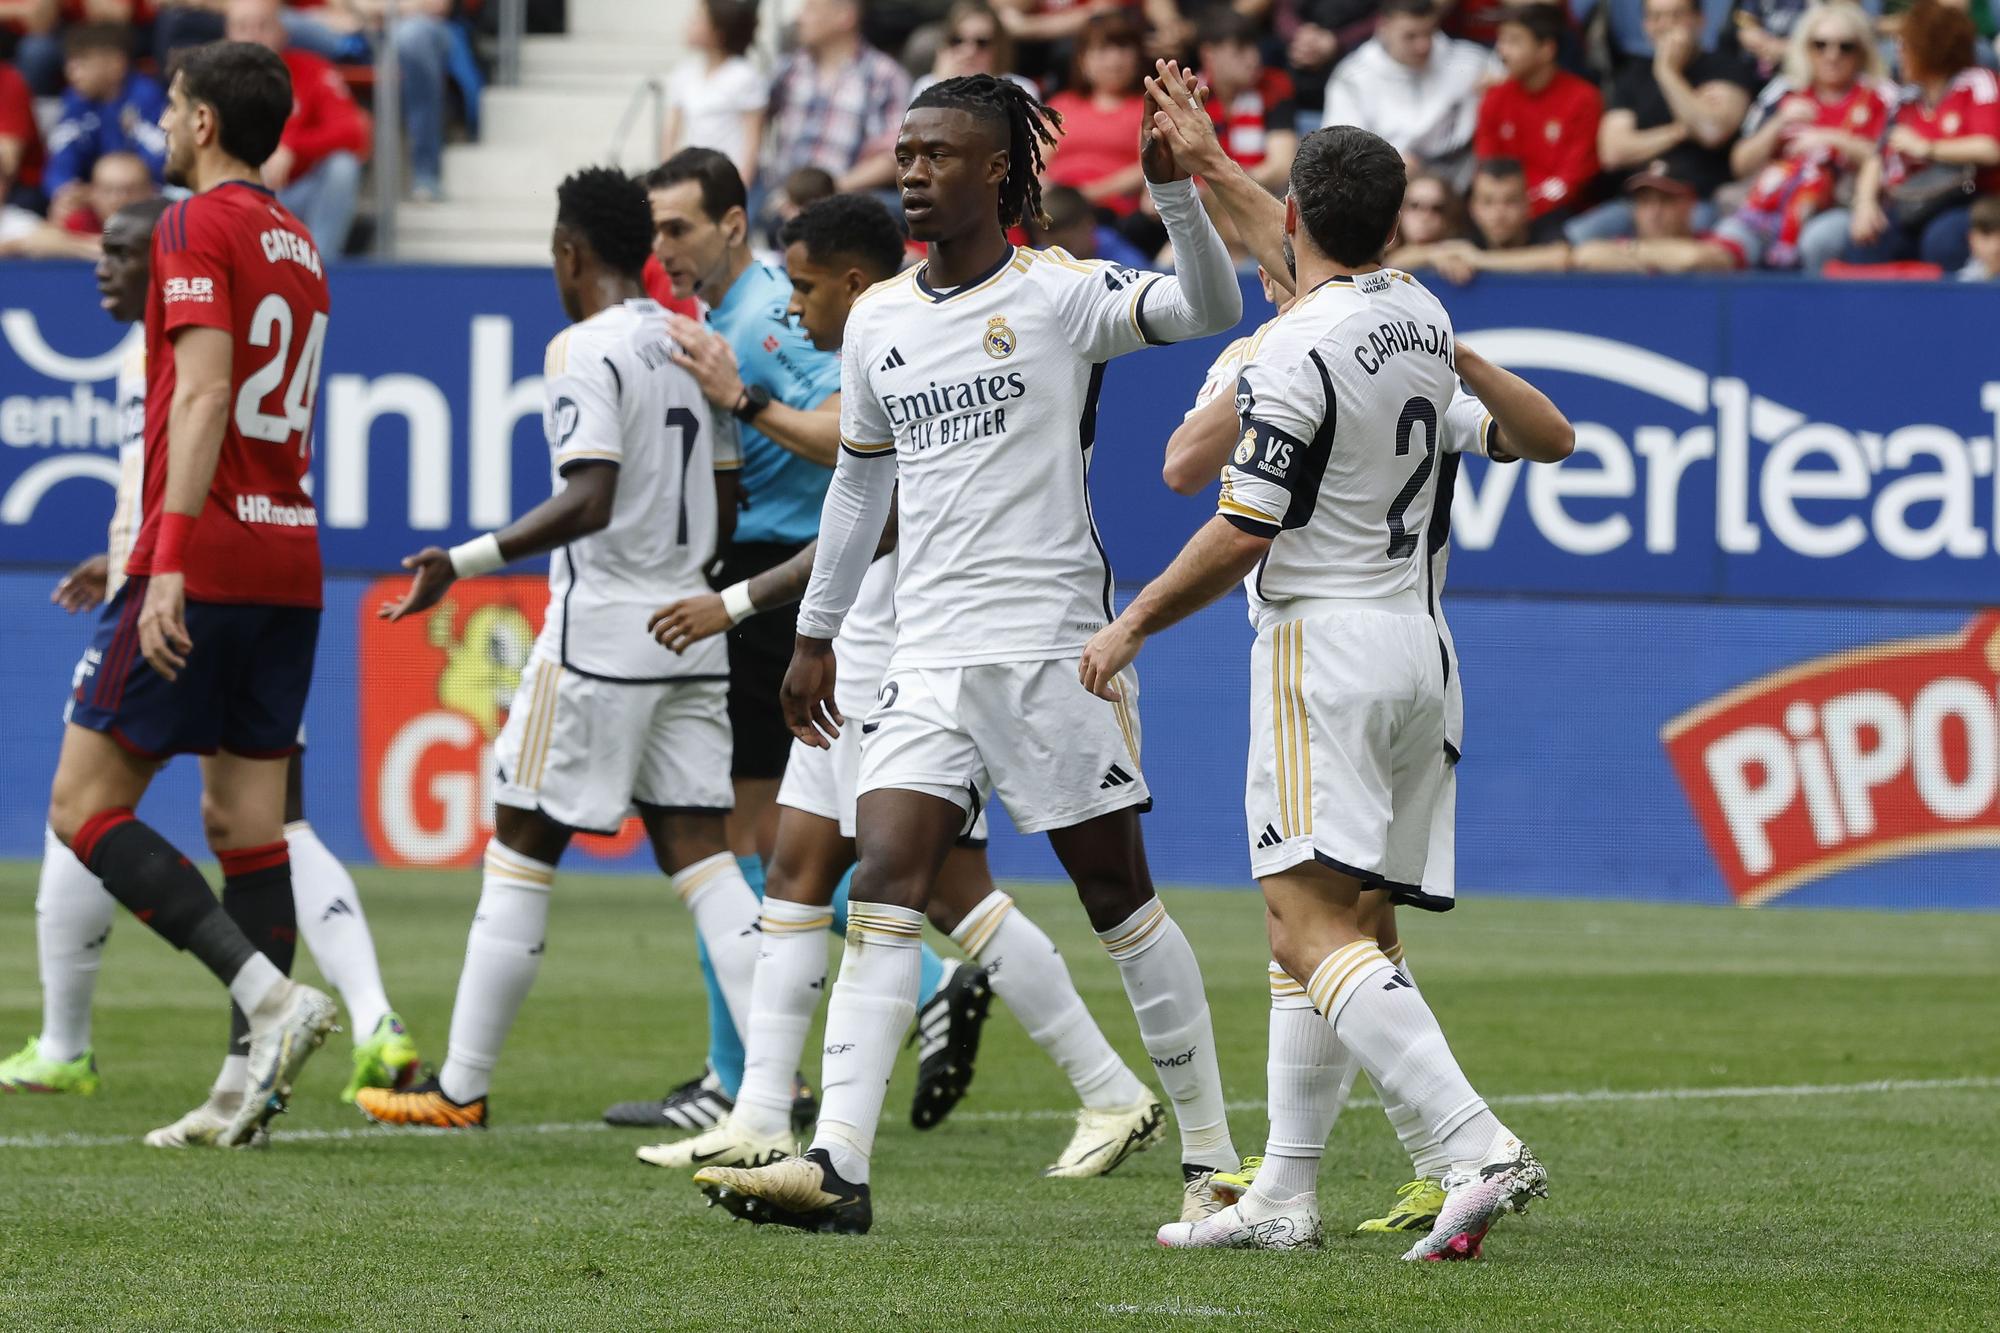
1845, 46
968, 39
1424, 205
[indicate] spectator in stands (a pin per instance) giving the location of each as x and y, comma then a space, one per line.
1047, 21
1913, 198
1684, 107
1500, 226
1984, 241
116, 180
717, 96
316, 169
38, 50
1251, 103
973, 43
1663, 236
20, 142
1317, 34
422, 36
1101, 110
1073, 226
1810, 128
1628, 32
1542, 116
837, 102
1764, 29
1430, 213
1414, 87
108, 108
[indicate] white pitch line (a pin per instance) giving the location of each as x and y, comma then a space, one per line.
1571, 1098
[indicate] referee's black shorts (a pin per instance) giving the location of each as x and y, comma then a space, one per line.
759, 651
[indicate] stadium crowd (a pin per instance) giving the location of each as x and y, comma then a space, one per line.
1818, 136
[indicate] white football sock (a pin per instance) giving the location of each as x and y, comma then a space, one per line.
871, 1008
334, 929
791, 976
73, 914
725, 913
1308, 1074
257, 981
1029, 976
503, 952
234, 1078
1427, 1158
1163, 982
1377, 1014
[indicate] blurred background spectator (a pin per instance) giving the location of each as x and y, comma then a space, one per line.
1541, 115
1073, 226
317, 167
1913, 198
108, 107
836, 102
1431, 211
717, 96
1251, 103
116, 179
1101, 107
1808, 131
20, 143
1682, 106
972, 42
1415, 87
1621, 33
1984, 240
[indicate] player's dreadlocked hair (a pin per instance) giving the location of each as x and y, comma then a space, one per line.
609, 209
1030, 127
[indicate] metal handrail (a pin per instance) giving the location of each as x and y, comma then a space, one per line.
653, 90
388, 163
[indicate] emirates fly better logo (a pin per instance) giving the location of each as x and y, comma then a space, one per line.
1861, 756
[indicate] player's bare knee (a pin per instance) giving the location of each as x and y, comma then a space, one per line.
218, 823
680, 838
896, 882
530, 832
1111, 898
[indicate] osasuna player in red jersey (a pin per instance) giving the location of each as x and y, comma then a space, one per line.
208, 647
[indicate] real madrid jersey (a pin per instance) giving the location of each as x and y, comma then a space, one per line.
131, 391
1468, 429
987, 395
866, 639
1343, 400
615, 396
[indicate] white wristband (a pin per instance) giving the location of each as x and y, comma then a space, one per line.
736, 601
481, 555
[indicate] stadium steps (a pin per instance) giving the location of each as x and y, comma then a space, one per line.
500, 192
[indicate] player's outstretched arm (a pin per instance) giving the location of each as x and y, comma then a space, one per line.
1531, 425
1180, 118
813, 434
1202, 297
83, 587
1216, 558
1200, 445
583, 506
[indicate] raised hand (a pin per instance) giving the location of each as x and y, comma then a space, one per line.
1180, 121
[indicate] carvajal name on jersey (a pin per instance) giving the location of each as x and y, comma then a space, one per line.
1404, 335
952, 413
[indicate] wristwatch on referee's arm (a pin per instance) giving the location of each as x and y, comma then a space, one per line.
755, 398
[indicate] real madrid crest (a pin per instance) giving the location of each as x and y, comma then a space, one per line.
999, 339
1247, 448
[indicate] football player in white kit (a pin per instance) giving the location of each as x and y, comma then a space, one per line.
835, 250
1324, 513
971, 384
74, 912
605, 719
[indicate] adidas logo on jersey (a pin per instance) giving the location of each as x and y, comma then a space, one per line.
894, 360
1117, 777
338, 907
1397, 981
1269, 837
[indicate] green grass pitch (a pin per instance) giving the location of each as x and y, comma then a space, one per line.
1695, 1079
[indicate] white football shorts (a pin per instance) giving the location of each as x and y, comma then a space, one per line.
583, 750
1347, 760
827, 782
1028, 732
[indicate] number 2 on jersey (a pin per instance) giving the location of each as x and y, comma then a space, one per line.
271, 325
1418, 411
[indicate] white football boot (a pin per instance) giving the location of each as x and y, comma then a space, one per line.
1103, 1139
277, 1053
1503, 1182
1250, 1224
727, 1144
